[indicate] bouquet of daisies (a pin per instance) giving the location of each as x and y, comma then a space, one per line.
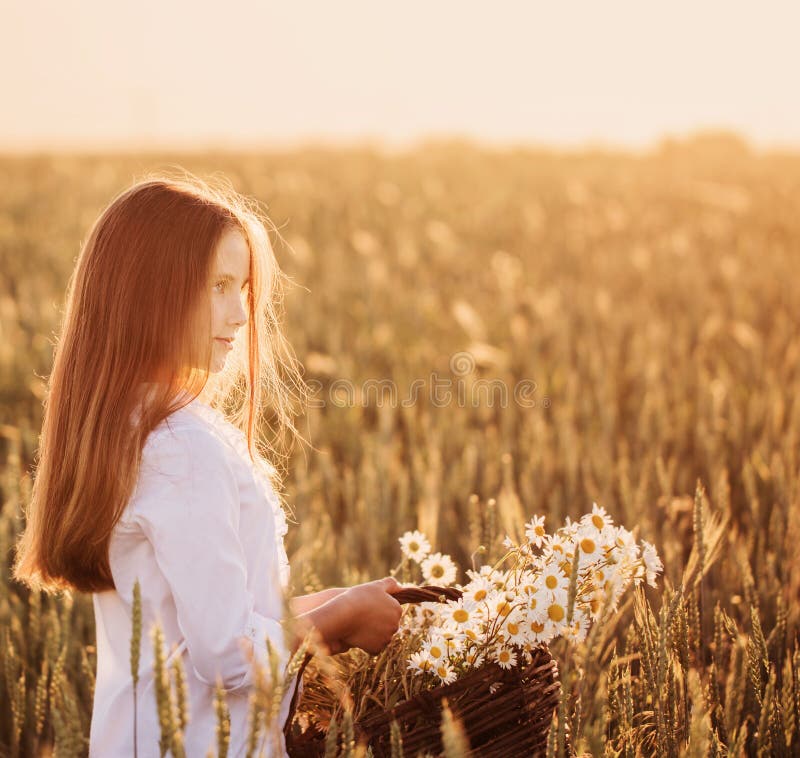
491, 632
550, 585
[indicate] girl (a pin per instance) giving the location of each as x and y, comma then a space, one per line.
173, 313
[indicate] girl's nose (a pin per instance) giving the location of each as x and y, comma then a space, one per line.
240, 314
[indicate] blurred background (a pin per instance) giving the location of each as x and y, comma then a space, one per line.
257, 73
600, 199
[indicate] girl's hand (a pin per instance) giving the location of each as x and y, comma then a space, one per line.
305, 603
370, 616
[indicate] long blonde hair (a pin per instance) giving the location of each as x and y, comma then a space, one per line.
135, 294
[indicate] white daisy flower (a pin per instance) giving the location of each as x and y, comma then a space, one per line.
555, 546
435, 649
499, 605
478, 589
540, 630
652, 563
487, 573
420, 662
625, 548
415, 546
570, 528
534, 531
460, 612
589, 540
557, 609
439, 569
474, 633
444, 671
517, 633
474, 658
553, 578
453, 641
528, 584
500, 579
594, 601
599, 518
537, 604
504, 656
576, 631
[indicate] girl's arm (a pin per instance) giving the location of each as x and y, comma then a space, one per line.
330, 619
186, 506
364, 616
305, 603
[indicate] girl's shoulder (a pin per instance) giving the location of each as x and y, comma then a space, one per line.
184, 434
181, 424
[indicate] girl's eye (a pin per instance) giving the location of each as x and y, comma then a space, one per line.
221, 286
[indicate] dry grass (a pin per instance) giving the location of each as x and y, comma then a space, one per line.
652, 301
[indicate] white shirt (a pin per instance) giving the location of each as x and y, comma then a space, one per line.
203, 532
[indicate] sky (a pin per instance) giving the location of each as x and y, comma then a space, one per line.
245, 73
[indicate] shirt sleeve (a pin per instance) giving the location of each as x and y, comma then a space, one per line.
189, 512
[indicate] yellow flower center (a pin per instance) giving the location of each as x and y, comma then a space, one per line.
480, 595
588, 545
504, 656
551, 582
471, 634
503, 608
461, 616
436, 651
437, 571
442, 671
598, 521
556, 612
413, 547
537, 627
512, 628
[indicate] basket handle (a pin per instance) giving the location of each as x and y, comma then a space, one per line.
427, 593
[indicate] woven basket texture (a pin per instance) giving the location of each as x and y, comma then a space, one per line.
505, 712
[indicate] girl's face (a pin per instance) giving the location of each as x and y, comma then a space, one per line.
227, 294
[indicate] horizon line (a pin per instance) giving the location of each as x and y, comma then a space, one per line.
389, 145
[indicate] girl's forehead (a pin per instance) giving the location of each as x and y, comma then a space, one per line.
232, 254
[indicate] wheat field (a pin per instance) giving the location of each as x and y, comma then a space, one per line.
649, 305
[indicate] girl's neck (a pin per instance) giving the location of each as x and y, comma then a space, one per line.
148, 389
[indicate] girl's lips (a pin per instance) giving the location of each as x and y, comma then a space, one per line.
227, 344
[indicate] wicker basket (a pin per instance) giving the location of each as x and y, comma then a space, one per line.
513, 720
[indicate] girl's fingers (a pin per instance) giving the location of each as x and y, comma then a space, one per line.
390, 584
